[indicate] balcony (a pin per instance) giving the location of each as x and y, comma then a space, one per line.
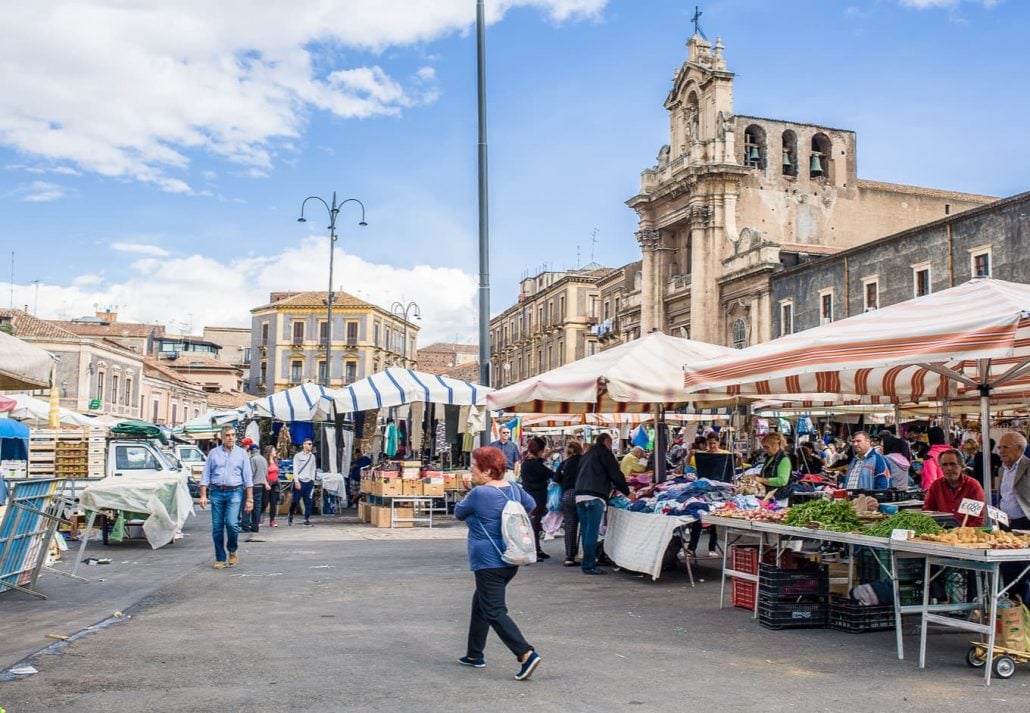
678, 284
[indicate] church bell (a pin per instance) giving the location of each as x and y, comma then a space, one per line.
753, 153
816, 166
786, 159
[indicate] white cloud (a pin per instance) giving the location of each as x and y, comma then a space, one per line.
140, 249
928, 4
205, 291
130, 90
42, 192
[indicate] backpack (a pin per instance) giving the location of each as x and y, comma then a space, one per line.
516, 531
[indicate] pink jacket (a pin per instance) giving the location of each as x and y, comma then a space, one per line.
932, 471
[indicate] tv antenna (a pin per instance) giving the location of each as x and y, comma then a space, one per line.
593, 243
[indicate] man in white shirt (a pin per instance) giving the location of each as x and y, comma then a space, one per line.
1015, 479
303, 482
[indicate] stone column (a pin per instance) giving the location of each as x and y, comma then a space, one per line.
704, 291
650, 280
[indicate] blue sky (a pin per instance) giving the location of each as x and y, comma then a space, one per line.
155, 160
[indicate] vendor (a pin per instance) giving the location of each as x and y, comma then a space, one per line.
632, 462
948, 491
711, 446
776, 469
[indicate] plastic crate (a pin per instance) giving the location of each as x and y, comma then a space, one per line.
867, 568
789, 584
792, 615
850, 616
890, 496
744, 559
742, 593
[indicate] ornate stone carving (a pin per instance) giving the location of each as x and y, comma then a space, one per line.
649, 240
701, 215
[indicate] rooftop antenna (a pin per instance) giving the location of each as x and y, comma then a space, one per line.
593, 243
577, 257
35, 306
696, 19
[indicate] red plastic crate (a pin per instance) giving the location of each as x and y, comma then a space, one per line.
744, 559
742, 593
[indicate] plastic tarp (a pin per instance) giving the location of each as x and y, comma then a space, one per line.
637, 540
166, 500
23, 366
138, 429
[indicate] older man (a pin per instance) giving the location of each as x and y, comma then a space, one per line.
633, 462
227, 475
947, 492
869, 470
1015, 479
509, 449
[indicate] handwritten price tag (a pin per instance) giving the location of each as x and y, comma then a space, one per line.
975, 508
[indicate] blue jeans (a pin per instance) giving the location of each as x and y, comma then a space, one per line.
590, 513
225, 520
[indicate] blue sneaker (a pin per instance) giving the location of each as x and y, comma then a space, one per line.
528, 667
474, 663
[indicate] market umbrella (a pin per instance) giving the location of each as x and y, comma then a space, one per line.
7, 404
970, 339
23, 366
14, 440
636, 376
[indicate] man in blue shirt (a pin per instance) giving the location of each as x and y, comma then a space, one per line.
869, 469
228, 476
508, 448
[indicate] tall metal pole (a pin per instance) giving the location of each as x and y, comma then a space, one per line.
484, 223
329, 301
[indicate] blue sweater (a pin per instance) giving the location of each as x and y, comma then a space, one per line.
481, 510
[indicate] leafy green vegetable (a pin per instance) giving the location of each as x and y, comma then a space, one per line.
905, 520
837, 515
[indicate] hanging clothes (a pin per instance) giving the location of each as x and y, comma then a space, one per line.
468, 442
253, 432
390, 440
418, 427
440, 444
301, 431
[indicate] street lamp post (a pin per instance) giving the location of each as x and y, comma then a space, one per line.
401, 310
334, 211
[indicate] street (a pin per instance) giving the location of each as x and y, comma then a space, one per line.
346, 617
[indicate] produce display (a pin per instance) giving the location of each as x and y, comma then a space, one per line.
975, 537
755, 514
834, 515
867, 507
905, 520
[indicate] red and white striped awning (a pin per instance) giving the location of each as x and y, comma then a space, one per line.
632, 377
941, 346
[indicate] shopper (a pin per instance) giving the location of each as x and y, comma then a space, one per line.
303, 482
938, 444
481, 511
632, 462
259, 471
227, 475
536, 476
598, 474
869, 469
509, 449
894, 454
566, 478
1015, 480
272, 480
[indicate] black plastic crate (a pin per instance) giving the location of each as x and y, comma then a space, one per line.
890, 496
867, 569
789, 584
792, 615
851, 616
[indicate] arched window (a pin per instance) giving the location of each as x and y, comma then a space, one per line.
789, 162
754, 147
821, 158
739, 334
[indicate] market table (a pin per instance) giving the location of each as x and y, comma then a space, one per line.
987, 561
637, 540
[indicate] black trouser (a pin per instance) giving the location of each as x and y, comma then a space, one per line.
695, 537
570, 522
1010, 571
490, 611
272, 500
253, 518
537, 515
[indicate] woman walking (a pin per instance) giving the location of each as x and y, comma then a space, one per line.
272, 494
481, 511
566, 478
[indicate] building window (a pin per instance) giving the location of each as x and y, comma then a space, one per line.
550, 357
321, 372
871, 290
375, 334
350, 371
263, 372
615, 309
561, 352
789, 162
127, 396
323, 332
921, 280
825, 306
739, 334
114, 389
561, 308
100, 386
296, 371
386, 344
591, 348
754, 146
981, 261
605, 310
298, 332
352, 333
175, 413
786, 317
264, 334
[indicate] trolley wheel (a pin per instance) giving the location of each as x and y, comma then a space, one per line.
1004, 666
976, 657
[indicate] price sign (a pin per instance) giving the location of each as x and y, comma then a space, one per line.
898, 534
975, 508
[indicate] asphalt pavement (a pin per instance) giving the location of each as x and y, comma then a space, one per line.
342, 616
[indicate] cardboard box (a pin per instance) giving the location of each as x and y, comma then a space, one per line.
433, 487
390, 487
364, 511
365, 485
411, 487
450, 482
379, 516
403, 513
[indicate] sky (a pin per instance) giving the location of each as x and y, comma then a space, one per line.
154, 156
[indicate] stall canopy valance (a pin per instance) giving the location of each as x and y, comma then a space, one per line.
396, 387
23, 366
307, 402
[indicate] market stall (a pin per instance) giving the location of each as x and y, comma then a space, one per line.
637, 541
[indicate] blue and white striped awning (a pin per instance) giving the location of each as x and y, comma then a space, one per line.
307, 402
397, 386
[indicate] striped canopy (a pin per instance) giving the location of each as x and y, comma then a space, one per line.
941, 346
631, 377
396, 387
307, 402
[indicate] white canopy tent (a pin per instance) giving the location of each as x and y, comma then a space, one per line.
307, 402
23, 366
37, 413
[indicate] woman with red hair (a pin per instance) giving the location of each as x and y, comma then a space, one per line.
481, 511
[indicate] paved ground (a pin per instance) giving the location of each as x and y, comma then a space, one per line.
344, 617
